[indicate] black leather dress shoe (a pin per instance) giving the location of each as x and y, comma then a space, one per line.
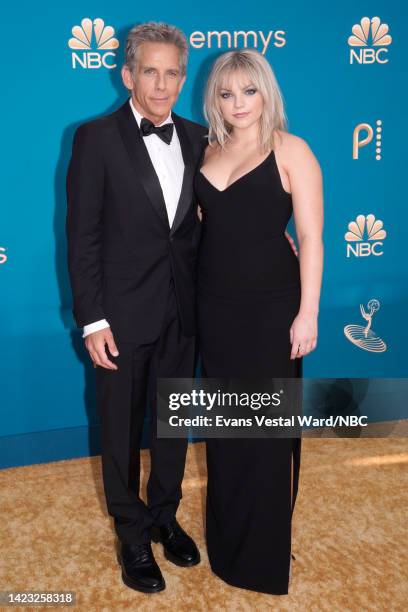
178, 546
139, 568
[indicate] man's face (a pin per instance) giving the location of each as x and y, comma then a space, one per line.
157, 80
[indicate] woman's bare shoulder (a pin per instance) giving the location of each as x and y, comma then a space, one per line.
287, 142
291, 147
211, 149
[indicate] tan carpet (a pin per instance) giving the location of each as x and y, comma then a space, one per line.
349, 534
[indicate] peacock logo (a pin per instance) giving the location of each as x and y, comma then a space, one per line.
365, 236
96, 41
369, 41
363, 135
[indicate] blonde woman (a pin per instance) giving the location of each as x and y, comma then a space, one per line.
257, 306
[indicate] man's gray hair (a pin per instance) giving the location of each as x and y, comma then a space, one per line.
153, 31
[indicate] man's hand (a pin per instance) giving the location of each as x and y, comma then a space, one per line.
95, 344
292, 243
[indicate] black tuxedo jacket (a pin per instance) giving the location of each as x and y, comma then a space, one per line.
121, 250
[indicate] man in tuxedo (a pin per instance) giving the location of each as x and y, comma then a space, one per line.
132, 230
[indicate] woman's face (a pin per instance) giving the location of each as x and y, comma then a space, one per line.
241, 104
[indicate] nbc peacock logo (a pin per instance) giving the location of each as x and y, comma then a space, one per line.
365, 236
364, 336
369, 41
93, 43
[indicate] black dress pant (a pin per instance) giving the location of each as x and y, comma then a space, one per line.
122, 398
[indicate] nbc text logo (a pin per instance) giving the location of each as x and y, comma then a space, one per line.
93, 34
362, 136
373, 229
372, 38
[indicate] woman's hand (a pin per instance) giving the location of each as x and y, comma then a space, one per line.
303, 335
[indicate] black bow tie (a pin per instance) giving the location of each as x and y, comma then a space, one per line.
165, 132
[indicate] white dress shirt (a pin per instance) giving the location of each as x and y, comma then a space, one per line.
169, 166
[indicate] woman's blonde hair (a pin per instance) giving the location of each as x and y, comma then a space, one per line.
260, 73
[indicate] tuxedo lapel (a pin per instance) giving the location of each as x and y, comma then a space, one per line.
141, 161
187, 186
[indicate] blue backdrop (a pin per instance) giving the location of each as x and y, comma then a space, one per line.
342, 71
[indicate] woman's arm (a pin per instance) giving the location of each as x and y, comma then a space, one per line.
307, 196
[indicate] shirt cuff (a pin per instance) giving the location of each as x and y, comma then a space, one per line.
94, 327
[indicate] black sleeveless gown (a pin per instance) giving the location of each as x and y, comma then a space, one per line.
248, 297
